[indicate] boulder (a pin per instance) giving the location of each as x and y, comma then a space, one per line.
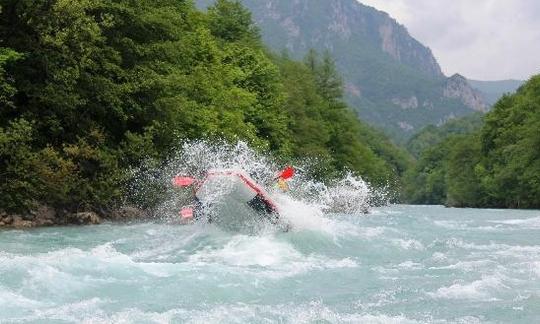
84, 218
128, 214
44, 222
8, 219
20, 223
43, 213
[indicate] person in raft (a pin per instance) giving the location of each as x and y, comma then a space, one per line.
244, 189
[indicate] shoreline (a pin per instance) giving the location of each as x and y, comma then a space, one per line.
45, 216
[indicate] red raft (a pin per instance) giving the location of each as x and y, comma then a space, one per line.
229, 197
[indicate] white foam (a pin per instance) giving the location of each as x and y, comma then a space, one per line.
244, 250
536, 268
465, 225
410, 265
313, 312
468, 266
410, 244
265, 256
371, 232
60, 270
528, 223
477, 290
383, 319
304, 216
233, 313
137, 316
495, 247
9, 299
439, 257
450, 224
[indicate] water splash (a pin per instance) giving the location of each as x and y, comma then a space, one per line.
304, 205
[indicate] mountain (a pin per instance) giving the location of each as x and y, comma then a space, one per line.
391, 79
494, 90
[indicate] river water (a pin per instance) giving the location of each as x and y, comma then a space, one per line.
400, 264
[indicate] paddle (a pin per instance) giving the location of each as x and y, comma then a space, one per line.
287, 173
179, 181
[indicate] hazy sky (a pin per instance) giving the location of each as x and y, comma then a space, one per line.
481, 39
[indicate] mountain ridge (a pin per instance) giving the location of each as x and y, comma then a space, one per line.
391, 79
492, 91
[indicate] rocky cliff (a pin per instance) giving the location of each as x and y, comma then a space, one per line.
459, 88
391, 79
346, 20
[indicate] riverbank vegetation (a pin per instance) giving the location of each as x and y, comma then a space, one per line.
91, 89
496, 165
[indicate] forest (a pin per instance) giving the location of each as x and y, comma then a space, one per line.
90, 89
495, 164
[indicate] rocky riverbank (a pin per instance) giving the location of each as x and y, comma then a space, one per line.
46, 216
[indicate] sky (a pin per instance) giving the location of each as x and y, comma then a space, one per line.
480, 39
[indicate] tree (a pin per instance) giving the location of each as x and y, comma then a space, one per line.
7, 90
497, 166
230, 21
329, 81
101, 87
464, 188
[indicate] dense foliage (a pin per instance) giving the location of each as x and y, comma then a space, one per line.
91, 89
497, 166
433, 135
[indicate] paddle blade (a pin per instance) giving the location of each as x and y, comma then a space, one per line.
183, 181
186, 213
287, 173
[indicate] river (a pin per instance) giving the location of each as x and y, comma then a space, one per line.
399, 264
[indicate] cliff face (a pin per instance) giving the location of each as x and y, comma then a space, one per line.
459, 88
391, 79
311, 23
396, 42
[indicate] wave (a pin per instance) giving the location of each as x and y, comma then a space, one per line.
526, 223
482, 289
266, 257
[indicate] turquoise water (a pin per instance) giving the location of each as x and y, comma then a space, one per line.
400, 264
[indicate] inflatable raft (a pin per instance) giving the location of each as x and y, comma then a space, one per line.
229, 198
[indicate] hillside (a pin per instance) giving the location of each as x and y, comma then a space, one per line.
498, 165
91, 91
433, 135
492, 91
392, 80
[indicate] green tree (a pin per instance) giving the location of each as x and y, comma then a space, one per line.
497, 166
90, 89
510, 141
7, 90
464, 188
230, 21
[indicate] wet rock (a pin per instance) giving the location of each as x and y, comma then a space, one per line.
128, 214
3, 217
20, 223
8, 219
44, 222
84, 218
44, 213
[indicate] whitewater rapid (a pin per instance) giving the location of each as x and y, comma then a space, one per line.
400, 264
